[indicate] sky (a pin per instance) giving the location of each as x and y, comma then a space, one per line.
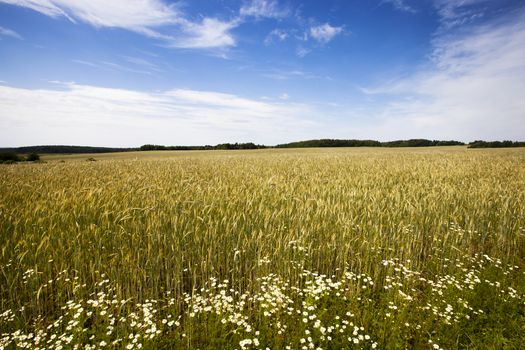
124, 73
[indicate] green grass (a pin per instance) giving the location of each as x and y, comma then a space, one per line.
413, 245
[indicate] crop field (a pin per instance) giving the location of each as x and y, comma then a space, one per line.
283, 249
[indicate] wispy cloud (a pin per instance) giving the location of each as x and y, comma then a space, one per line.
453, 13
89, 64
10, 33
168, 23
472, 89
281, 74
143, 63
302, 51
112, 66
81, 114
284, 96
400, 5
325, 32
263, 9
153, 18
276, 35
137, 15
46, 7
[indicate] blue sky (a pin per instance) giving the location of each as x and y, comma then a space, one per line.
126, 72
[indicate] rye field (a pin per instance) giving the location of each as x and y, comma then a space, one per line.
271, 249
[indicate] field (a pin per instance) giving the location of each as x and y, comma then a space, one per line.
301, 249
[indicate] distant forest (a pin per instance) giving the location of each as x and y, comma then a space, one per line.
369, 143
496, 144
65, 149
246, 146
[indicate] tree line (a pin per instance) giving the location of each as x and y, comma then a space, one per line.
63, 149
369, 143
221, 146
496, 144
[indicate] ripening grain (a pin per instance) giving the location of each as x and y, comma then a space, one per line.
393, 239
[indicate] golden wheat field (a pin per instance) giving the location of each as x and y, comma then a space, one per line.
300, 249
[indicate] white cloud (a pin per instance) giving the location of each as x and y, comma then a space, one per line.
276, 34
473, 88
284, 96
153, 18
210, 33
81, 114
322, 34
325, 32
221, 100
9, 33
263, 9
